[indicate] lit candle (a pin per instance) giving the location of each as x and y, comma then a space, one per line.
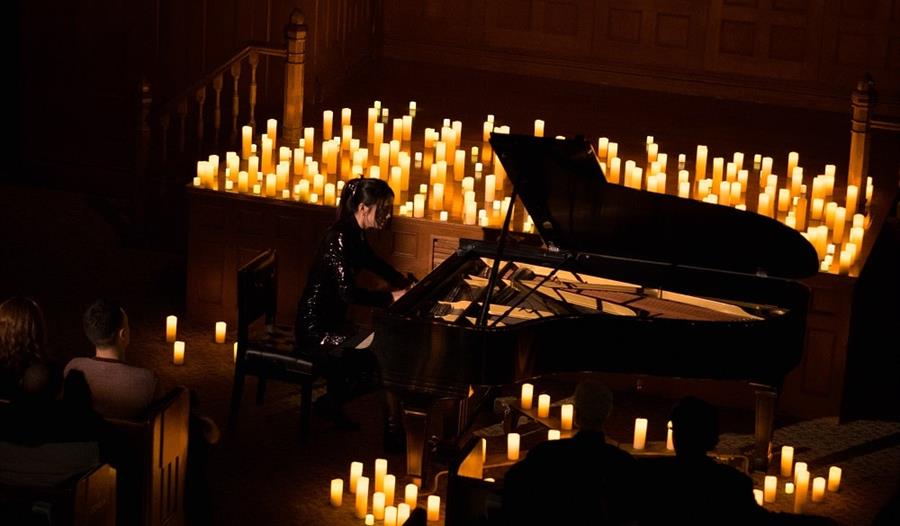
370, 519
329, 194
490, 182
771, 487
543, 406
390, 483
178, 353
758, 495
402, 513
437, 196
566, 414
356, 470
512, 446
818, 489
799, 467
220, 332
527, 395
246, 139
434, 508
362, 497
840, 218
834, 478
337, 492
670, 445
787, 460
640, 433
538, 128
410, 495
615, 167
378, 505
553, 434
788, 488
171, 328
793, 160
419, 205
271, 184
234, 354
443, 217
380, 472
602, 148
801, 490
700, 164
390, 516
327, 122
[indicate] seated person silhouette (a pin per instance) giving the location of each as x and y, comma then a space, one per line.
693, 487
548, 486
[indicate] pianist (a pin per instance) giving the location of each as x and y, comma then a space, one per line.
323, 331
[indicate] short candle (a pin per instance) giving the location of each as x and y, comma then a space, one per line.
434, 508
527, 395
171, 328
410, 495
834, 478
178, 353
543, 406
640, 433
337, 492
512, 446
220, 331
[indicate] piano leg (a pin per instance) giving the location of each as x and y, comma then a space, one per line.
415, 422
765, 420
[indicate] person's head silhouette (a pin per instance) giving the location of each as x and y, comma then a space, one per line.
593, 404
695, 428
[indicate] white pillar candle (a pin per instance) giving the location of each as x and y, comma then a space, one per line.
419, 205
380, 472
356, 470
246, 140
171, 328
410, 495
362, 497
602, 148
434, 508
271, 184
272, 129
178, 353
378, 505
337, 492
437, 197
801, 490
787, 460
220, 332
799, 467
390, 483
512, 446
788, 488
527, 395
758, 495
670, 444
538, 128
566, 415
544, 406
402, 513
834, 478
640, 433
370, 519
840, 218
770, 488
818, 489
390, 516
234, 353
553, 434
329, 194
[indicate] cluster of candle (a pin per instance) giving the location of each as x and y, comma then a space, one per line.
383, 485
446, 178
798, 482
178, 345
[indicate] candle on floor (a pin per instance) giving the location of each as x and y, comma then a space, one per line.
370, 519
640, 433
758, 495
543, 406
787, 460
553, 434
410, 495
356, 470
390, 516
362, 497
670, 445
770, 487
220, 331
834, 478
799, 467
390, 482
512, 446
801, 490
178, 353
337, 492
380, 472
538, 128
434, 508
171, 328
527, 395
788, 488
818, 489
402, 513
246, 139
378, 505
566, 416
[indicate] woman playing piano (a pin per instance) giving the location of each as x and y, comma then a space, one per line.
323, 331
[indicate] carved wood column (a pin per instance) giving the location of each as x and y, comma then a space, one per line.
860, 103
295, 35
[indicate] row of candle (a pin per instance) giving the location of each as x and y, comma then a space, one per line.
383, 486
178, 346
799, 485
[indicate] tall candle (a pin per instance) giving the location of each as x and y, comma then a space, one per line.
434, 508
356, 470
410, 495
640, 433
543, 406
327, 122
178, 353
758, 495
220, 332
818, 489
834, 478
337, 492
527, 395
390, 483
801, 490
246, 139
770, 487
390, 516
171, 328
378, 505
512, 446
272, 130
566, 416
362, 497
787, 460
402, 513
670, 444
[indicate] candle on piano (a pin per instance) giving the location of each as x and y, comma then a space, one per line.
378, 505
615, 167
640, 433
410, 495
362, 497
818, 489
434, 508
171, 328
612, 150
543, 406
553, 434
787, 460
700, 164
356, 470
337, 492
527, 395
670, 445
834, 478
770, 488
220, 332
566, 416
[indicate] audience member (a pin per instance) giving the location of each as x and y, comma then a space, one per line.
22, 347
119, 390
581, 480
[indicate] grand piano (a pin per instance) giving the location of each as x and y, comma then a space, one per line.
624, 281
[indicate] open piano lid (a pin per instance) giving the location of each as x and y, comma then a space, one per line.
562, 185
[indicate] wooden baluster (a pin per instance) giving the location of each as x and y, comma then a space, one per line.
201, 98
292, 122
217, 112
235, 102
253, 59
182, 115
860, 103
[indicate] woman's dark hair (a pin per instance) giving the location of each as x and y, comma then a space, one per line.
102, 321
22, 336
367, 192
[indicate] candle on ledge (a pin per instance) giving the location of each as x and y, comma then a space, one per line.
171, 328
566, 416
356, 470
434, 508
327, 124
362, 497
419, 205
512, 446
220, 331
378, 505
246, 139
538, 128
527, 395
553, 434
410, 495
640, 433
337, 492
770, 488
543, 406
818, 489
670, 445
787, 460
178, 353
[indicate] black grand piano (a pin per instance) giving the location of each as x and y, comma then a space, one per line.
626, 281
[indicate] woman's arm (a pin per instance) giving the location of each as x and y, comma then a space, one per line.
338, 255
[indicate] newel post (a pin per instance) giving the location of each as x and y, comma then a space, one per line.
295, 35
861, 105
